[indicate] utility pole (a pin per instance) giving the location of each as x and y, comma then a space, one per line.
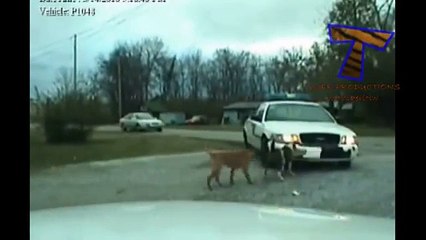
119, 88
75, 62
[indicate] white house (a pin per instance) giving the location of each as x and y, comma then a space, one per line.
172, 118
238, 112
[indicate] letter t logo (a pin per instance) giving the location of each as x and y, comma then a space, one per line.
353, 64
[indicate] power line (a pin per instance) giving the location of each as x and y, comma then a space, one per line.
117, 23
48, 51
54, 43
100, 30
110, 20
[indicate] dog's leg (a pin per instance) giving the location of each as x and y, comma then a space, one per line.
282, 164
280, 176
289, 162
216, 178
231, 178
290, 171
247, 175
265, 167
214, 174
209, 178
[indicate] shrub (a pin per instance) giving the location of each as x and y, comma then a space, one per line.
70, 118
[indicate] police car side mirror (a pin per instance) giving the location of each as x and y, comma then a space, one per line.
338, 119
255, 118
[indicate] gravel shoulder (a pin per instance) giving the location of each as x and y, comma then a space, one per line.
367, 189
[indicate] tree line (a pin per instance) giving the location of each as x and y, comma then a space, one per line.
193, 81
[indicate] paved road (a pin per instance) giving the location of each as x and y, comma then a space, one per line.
368, 188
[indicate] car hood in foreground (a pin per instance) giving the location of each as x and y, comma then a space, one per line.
289, 127
196, 220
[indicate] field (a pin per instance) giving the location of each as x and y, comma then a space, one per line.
361, 130
113, 145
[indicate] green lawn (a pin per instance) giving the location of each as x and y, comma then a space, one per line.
110, 145
361, 130
236, 128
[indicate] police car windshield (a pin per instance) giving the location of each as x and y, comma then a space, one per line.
297, 112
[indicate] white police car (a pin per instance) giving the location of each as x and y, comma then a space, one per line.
296, 124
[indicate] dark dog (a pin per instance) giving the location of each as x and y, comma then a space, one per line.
234, 159
281, 161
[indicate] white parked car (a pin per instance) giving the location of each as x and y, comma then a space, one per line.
300, 125
139, 121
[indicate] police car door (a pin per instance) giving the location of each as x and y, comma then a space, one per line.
256, 127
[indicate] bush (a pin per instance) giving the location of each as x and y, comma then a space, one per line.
70, 118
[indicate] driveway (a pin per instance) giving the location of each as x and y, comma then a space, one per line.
368, 188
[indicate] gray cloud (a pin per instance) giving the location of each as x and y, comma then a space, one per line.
182, 24
239, 20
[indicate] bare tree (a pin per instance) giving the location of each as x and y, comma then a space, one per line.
152, 50
255, 78
64, 81
193, 64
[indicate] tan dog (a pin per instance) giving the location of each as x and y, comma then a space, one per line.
234, 159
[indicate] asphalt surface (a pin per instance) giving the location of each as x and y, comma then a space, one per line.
368, 188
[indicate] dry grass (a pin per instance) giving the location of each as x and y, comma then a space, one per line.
113, 145
361, 130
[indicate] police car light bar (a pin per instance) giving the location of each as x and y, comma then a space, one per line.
289, 97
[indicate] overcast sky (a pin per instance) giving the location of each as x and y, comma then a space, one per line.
263, 27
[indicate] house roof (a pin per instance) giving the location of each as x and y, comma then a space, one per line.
242, 105
155, 106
